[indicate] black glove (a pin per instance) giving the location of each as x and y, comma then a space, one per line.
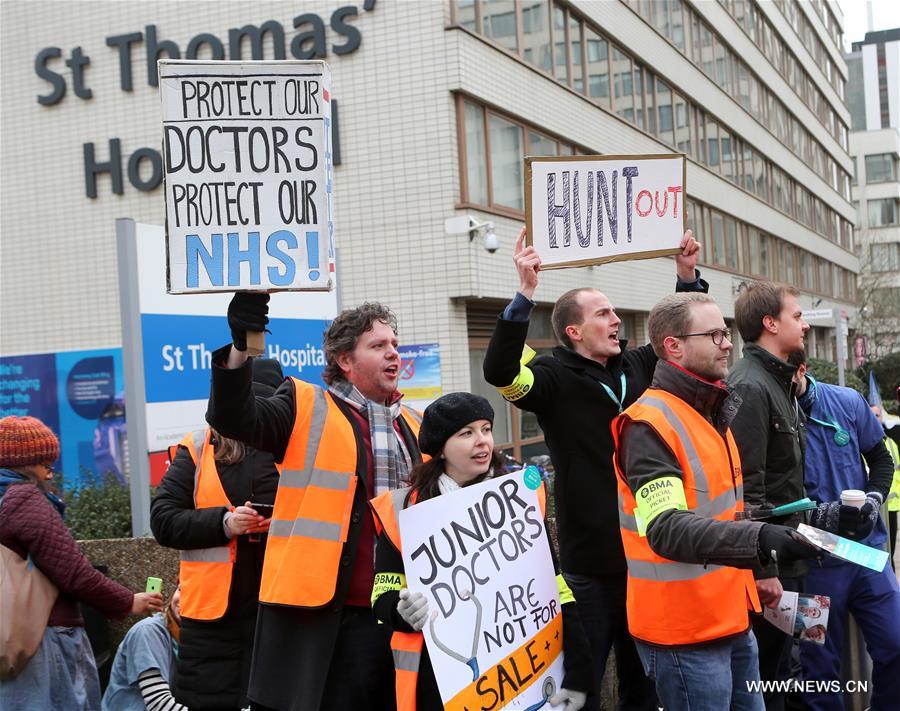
834, 517
868, 516
787, 544
247, 312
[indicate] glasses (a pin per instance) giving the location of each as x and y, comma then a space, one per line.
718, 335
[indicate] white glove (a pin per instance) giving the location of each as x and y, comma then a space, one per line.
569, 699
413, 608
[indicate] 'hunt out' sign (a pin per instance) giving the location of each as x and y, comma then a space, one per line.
248, 175
583, 210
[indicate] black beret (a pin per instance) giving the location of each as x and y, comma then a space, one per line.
447, 415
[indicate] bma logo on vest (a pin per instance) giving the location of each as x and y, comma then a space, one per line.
655, 486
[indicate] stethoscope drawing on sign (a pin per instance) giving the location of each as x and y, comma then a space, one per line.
549, 686
472, 661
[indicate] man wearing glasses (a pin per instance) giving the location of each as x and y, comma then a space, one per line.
770, 435
680, 491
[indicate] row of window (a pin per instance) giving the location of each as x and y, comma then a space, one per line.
740, 247
495, 146
705, 48
808, 37
880, 168
492, 154
757, 27
588, 62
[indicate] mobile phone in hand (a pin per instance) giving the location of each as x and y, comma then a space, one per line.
154, 585
264, 510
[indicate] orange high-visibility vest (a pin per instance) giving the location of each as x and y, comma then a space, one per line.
661, 591
406, 647
205, 573
313, 503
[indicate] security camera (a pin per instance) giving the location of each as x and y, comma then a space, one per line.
491, 243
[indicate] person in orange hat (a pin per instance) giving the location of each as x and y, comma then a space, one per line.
62, 674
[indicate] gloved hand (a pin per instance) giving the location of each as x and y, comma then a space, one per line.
247, 312
834, 517
868, 515
413, 608
573, 700
786, 542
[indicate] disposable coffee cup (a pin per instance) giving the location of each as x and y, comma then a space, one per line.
853, 497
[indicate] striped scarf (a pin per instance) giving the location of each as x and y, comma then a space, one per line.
391, 456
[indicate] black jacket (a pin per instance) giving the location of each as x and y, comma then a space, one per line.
644, 456
770, 433
575, 413
213, 666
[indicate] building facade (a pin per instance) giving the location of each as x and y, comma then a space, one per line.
439, 103
874, 102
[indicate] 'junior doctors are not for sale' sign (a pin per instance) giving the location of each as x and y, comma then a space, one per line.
248, 175
583, 210
481, 557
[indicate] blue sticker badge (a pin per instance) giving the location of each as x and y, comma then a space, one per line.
532, 477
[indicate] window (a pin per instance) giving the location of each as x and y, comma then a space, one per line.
597, 67
476, 164
718, 237
664, 109
883, 212
560, 51
575, 46
491, 161
622, 78
885, 257
731, 243
498, 19
465, 13
683, 125
536, 35
880, 168
712, 141
506, 162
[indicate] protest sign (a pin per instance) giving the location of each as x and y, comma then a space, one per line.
420, 374
481, 557
844, 548
248, 175
583, 210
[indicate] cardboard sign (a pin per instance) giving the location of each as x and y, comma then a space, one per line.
583, 210
481, 557
179, 333
420, 373
248, 175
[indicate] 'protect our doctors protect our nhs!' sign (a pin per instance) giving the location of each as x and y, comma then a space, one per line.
180, 332
583, 210
248, 175
481, 557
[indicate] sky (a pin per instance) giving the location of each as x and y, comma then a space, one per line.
885, 15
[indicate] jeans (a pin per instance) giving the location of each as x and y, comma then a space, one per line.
61, 675
709, 677
601, 608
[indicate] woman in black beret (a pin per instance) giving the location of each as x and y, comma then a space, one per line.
456, 435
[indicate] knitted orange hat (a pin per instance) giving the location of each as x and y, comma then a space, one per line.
25, 441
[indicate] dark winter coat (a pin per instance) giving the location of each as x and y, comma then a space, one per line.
29, 524
769, 430
213, 667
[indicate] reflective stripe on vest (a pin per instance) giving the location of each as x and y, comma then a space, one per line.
205, 574
713, 486
314, 502
407, 646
